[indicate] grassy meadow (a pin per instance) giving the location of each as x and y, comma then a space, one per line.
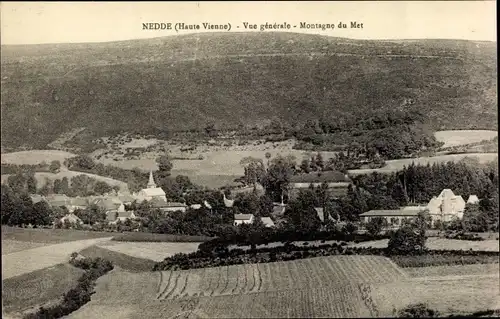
463, 137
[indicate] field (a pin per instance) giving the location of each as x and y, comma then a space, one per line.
48, 236
463, 137
458, 270
26, 261
121, 260
156, 251
35, 157
12, 246
396, 165
442, 243
30, 290
336, 286
153, 237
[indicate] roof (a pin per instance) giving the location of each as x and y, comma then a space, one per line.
153, 191
330, 184
394, 212
35, 198
279, 209
79, 201
473, 199
321, 213
72, 218
195, 206
267, 221
126, 198
159, 203
108, 203
446, 193
243, 216
326, 176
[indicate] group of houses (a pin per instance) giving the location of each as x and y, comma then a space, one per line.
444, 208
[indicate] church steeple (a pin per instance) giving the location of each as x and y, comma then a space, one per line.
151, 182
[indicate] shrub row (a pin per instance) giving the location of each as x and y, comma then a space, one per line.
224, 256
268, 235
152, 237
80, 295
464, 236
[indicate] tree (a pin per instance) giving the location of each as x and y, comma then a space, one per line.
320, 162
254, 170
268, 157
301, 213
278, 175
305, 166
65, 186
41, 214
17, 183
165, 166
101, 187
57, 186
418, 311
409, 238
375, 225
55, 166
31, 183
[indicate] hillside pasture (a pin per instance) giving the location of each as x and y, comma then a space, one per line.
435, 243
156, 251
35, 157
38, 287
124, 261
463, 137
397, 165
42, 178
26, 261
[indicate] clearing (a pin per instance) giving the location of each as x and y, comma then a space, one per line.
397, 165
442, 243
47, 236
335, 286
30, 290
35, 157
123, 261
463, 137
26, 261
150, 250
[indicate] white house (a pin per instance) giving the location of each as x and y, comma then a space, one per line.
167, 206
240, 219
115, 216
151, 191
447, 206
267, 221
71, 218
473, 199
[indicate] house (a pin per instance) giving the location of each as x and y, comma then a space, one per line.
166, 206
473, 199
321, 214
195, 206
71, 218
77, 203
267, 221
337, 182
447, 206
227, 202
115, 216
240, 219
35, 198
151, 191
394, 218
58, 200
110, 204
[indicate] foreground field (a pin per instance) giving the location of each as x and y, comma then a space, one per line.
396, 165
337, 286
26, 261
442, 243
30, 290
463, 137
35, 157
151, 250
12, 246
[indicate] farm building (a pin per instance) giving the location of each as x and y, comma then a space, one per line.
394, 217
115, 216
151, 191
240, 219
446, 206
58, 200
35, 198
337, 183
267, 221
166, 206
110, 204
77, 203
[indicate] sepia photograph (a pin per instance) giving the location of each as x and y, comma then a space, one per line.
273, 159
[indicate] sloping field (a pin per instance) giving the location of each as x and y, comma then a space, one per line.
35, 157
463, 137
42, 177
153, 251
461, 294
30, 290
12, 246
396, 165
336, 286
127, 262
457, 270
26, 261
442, 243
47, 236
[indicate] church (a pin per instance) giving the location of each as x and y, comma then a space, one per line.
152, 191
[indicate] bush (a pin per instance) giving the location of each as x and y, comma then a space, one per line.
418, 311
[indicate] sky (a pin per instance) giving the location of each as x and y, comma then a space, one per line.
66, 22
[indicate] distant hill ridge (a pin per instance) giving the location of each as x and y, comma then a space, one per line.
231, 79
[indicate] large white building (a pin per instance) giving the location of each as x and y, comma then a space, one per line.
151, 191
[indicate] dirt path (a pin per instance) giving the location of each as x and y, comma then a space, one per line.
26, 261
